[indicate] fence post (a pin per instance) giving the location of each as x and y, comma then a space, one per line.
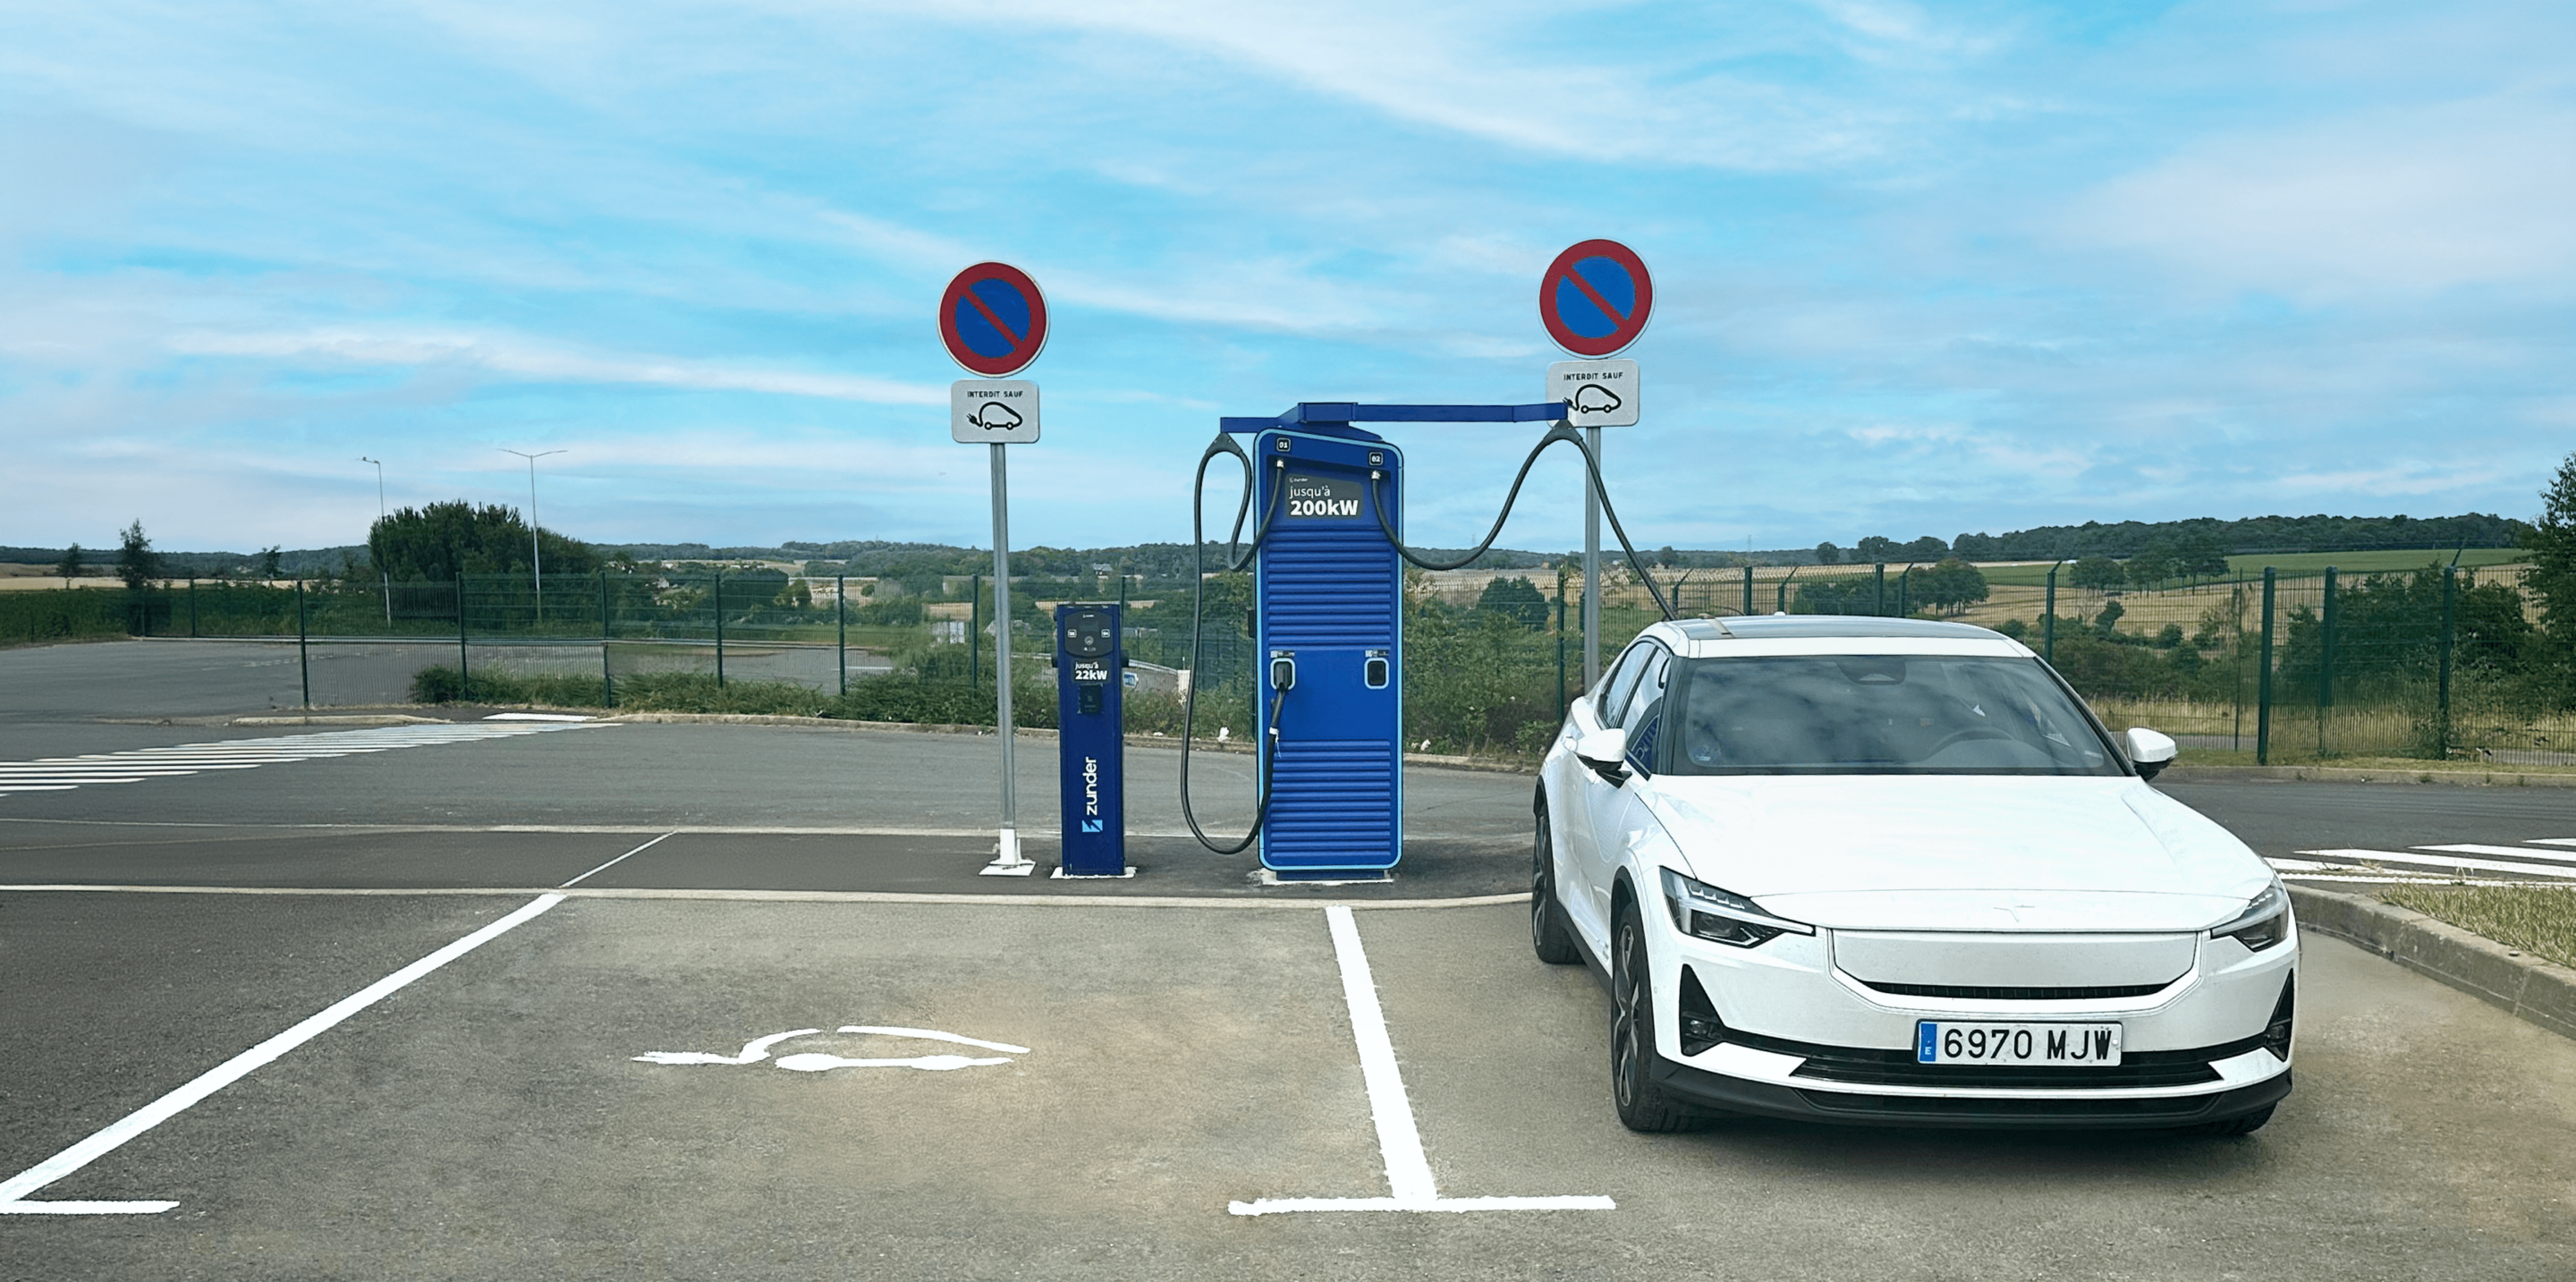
1561, 704
2326, 663
464, 682
841, 615
1748, 587
2442, 723
2048, 619
974, 632
1904, 589
1878, 593
2263, 682
192, 606
607, 679
719, 602
305, 665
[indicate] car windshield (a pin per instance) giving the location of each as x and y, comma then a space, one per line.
1881, 714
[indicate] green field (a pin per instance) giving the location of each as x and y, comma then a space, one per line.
2291, 564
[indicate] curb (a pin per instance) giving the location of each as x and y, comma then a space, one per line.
2348, 774
361, 719
2529, 988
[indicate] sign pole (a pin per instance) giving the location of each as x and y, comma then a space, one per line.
1592, 567
993, 321
1007, 859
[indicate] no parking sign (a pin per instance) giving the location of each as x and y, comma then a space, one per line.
1596, 298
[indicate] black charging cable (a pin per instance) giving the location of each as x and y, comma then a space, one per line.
1563, 431
1225, 444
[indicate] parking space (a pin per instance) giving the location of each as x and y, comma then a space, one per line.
1110, 1079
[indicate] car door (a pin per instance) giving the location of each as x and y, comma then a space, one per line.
1635, 705
1576, 795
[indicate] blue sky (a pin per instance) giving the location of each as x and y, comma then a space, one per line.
1918, 269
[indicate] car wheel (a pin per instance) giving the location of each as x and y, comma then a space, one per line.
1550, 937
2245, 1125
1643, 1103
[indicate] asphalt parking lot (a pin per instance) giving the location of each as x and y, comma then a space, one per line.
1052, 1079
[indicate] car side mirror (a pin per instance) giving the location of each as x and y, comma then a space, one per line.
2149, 751
1606, 751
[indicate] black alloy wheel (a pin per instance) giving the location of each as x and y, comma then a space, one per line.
1643, 1103
1550, 936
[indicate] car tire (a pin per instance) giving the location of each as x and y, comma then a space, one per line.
2246, 1125
1551, 937
1643, 1103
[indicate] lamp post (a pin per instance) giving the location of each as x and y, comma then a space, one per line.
536, 556
381, 575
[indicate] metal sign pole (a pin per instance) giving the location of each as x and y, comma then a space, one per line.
1007, 859
1592, 568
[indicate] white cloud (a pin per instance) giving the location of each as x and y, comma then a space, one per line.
534, 362
2469, 194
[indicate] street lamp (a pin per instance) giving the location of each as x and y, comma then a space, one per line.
536, 555
381, 574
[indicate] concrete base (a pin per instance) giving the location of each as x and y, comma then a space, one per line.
2539, 991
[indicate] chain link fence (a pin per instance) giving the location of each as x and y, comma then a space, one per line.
2430, 663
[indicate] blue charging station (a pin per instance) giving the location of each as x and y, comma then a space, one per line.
1329, 626
1090, 669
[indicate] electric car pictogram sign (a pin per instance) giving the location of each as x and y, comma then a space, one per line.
1595, 298
993, 320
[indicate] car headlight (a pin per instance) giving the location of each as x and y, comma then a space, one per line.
1704, 911
2265, 921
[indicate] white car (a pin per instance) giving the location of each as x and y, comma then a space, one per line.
1892, 872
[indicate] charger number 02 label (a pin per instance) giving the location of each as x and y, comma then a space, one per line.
2065, 1045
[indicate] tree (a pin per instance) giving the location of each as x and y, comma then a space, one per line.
1877, 547
1925, 549
2552, 577
2099, 572
268, 563
1515, 599
1951, 586
136, 562
1828, 554
70, 566
2107, 623
2153, 564
439, 541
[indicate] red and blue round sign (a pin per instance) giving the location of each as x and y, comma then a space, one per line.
993, 319
1595, 298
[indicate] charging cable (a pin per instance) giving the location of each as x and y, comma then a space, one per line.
1563, 431
1226, 444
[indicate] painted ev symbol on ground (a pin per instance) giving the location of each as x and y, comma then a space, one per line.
757, 1049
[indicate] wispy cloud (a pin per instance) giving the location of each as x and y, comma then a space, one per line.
517, 359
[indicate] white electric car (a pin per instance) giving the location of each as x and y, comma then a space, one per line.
1895, 873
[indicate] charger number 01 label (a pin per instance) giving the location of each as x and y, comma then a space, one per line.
2066, 1045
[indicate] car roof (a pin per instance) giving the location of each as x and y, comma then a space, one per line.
1826, 634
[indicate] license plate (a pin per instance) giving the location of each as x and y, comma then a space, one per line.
2069, 1045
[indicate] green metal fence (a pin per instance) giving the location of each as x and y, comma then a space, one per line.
2430, 663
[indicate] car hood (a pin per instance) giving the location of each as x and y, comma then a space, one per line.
1959, 852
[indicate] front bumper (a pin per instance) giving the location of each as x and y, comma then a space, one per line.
1984, 1112
1781, 1030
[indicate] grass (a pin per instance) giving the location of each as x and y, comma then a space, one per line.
2540, 920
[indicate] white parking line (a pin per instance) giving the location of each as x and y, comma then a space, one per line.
60, 774
15, 1190
620, 859
1408, 1170
2559, 871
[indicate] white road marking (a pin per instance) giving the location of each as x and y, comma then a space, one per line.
1408, 1169
934, 1035
2554, 841
757, 1049
753, 1051
2442, 861
816, 1062
59, 774
15, 1190
2512, 852
621, 858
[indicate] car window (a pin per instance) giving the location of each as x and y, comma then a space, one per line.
1622, 679
1645, 710
1882, 714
